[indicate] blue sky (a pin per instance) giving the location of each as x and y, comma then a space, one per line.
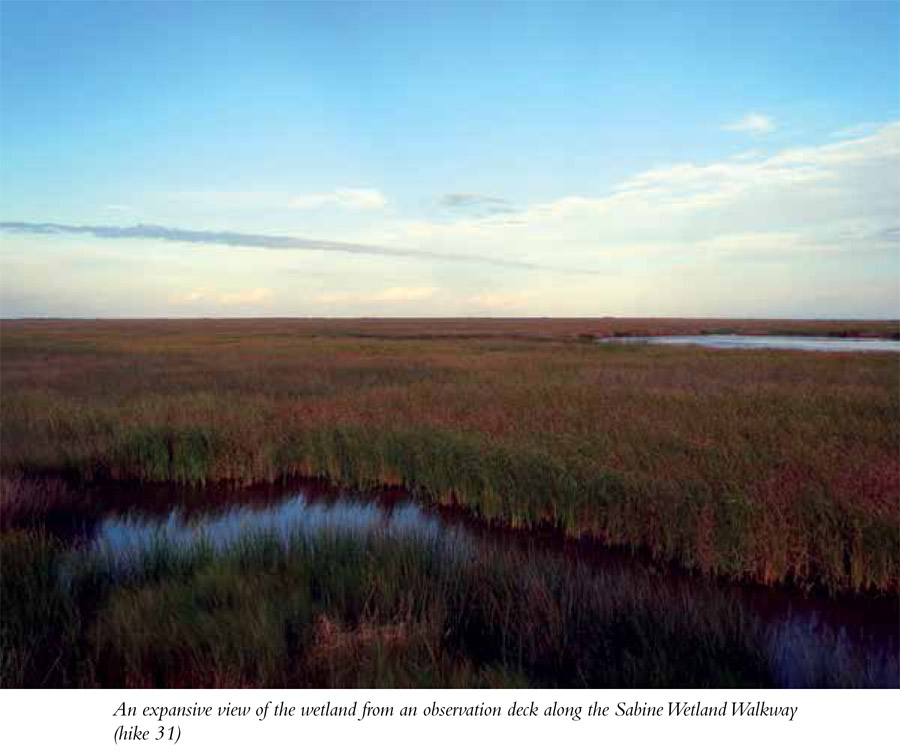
450, 158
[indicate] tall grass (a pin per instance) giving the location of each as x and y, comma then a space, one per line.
771, 467
335, 609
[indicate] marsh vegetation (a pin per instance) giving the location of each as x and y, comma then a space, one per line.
313, 586
752, 467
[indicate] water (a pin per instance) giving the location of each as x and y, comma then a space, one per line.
294, 513
131, 520
738, 341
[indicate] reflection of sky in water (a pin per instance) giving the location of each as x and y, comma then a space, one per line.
803, 659
128, 535
800, 639
803, 343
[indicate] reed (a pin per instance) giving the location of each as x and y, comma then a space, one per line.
336, 609
774, 467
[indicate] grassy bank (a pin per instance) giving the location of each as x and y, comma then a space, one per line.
340, 610
770, 466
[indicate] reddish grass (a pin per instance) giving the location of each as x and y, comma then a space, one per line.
763, 465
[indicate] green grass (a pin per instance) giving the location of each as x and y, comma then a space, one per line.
764, 466
334, 609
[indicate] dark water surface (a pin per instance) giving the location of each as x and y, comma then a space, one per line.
132, 519
738, 341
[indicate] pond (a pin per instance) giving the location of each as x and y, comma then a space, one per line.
740, 341
122, 521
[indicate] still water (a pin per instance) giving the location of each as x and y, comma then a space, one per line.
802, 628
737, 341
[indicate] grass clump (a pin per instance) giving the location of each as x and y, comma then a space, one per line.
776, 467
334, 608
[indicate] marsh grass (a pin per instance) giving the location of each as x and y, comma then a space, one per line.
340, 609
763, 466
40, 620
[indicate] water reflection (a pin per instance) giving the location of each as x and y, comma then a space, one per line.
138, 520
739, 341
803, 629
132, 532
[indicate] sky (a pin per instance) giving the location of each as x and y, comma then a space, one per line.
723, 159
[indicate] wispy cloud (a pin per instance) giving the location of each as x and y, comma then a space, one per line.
499, 302
405, 294
266, 241
240, 297
860, 129
393, 295
354, 199
189, 297
478, 204
753, 123
793, 204
246, 296
888, 234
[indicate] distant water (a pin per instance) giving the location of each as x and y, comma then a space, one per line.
737, 341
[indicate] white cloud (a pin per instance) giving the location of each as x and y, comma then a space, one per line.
498, 302
245, 297
753, 123
355, 199
190, 297
832, 200
793, 177
238, 297
393, 295
405, 294
808, 231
